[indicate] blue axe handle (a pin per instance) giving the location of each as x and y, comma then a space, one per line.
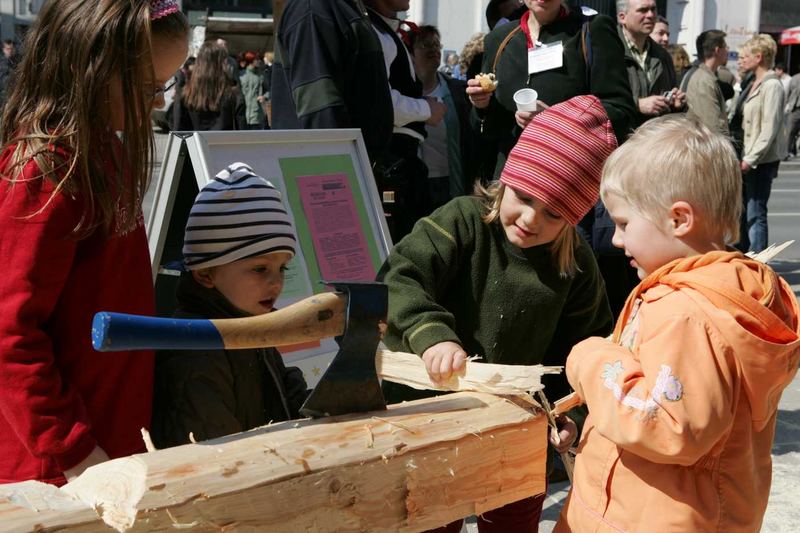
112, 332
314, 318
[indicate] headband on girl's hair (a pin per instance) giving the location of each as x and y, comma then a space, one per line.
162, 8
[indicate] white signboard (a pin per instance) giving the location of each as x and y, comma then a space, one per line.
327, 187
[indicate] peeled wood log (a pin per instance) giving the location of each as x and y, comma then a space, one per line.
417, 466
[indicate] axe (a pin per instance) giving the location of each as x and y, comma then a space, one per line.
354, 315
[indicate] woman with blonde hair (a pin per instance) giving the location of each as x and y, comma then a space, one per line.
472, 56
764, 138
680, 60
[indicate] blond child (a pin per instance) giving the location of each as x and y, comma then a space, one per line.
75, 163
505, 276
683, 397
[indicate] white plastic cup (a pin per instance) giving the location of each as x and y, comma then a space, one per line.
526, 99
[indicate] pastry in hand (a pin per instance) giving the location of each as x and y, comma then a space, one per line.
488, 82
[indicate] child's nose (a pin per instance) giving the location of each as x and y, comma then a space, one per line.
274, 278
616, 240
531, 217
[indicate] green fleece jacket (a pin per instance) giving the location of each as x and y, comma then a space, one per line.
456, 278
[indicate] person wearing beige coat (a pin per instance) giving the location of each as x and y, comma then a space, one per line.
764, 139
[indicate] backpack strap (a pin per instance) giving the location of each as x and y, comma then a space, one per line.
503, 45
586, 48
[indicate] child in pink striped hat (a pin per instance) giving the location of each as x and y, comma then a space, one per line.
504, 275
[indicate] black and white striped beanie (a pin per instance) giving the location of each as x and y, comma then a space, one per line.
237, 215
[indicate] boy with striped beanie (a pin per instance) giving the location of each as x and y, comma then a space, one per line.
238, 242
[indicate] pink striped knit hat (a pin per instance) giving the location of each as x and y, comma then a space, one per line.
559, 157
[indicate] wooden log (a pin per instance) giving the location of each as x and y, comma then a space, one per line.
417, 466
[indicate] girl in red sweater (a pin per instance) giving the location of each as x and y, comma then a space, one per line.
72, 237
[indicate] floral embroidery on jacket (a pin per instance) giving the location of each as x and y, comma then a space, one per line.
667, 385
611, 371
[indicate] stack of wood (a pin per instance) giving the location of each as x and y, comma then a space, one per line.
416, 466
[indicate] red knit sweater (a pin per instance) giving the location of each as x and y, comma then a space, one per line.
58, 397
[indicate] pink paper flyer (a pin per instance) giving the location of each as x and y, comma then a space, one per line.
334, 225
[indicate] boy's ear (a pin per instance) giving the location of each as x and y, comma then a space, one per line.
682, 218
203, 277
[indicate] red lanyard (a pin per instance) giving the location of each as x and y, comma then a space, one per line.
523, 23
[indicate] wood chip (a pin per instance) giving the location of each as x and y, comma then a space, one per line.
396, 424
370, 436
148, 442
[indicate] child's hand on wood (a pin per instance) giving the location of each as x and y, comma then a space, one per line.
444, 359
567, 432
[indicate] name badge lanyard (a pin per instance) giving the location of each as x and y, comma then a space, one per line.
541, 56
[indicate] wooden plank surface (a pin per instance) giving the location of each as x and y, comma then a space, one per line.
416, 466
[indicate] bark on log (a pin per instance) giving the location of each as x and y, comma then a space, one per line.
417, 466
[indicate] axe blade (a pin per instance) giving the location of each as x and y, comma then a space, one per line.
350, 384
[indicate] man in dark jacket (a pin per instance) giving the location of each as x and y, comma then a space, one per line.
400, 173
650, 69
329, 72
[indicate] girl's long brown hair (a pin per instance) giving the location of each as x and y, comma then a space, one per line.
55, 112
210, 79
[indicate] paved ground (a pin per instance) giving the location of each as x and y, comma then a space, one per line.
783, 512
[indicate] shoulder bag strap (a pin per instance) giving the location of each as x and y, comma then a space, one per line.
502, 47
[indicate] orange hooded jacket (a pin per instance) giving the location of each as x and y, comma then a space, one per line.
683, 401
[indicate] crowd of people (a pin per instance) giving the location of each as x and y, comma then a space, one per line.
591, 228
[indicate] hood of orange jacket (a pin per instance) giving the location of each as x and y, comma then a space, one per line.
763, 306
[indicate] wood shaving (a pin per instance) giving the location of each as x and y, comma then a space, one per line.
304, 463
370, 436
272, 450
179, 525
148, 442
30, 503
397, 425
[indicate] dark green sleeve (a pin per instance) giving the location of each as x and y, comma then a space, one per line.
419, 271
194, 394
609, 77
586, 314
